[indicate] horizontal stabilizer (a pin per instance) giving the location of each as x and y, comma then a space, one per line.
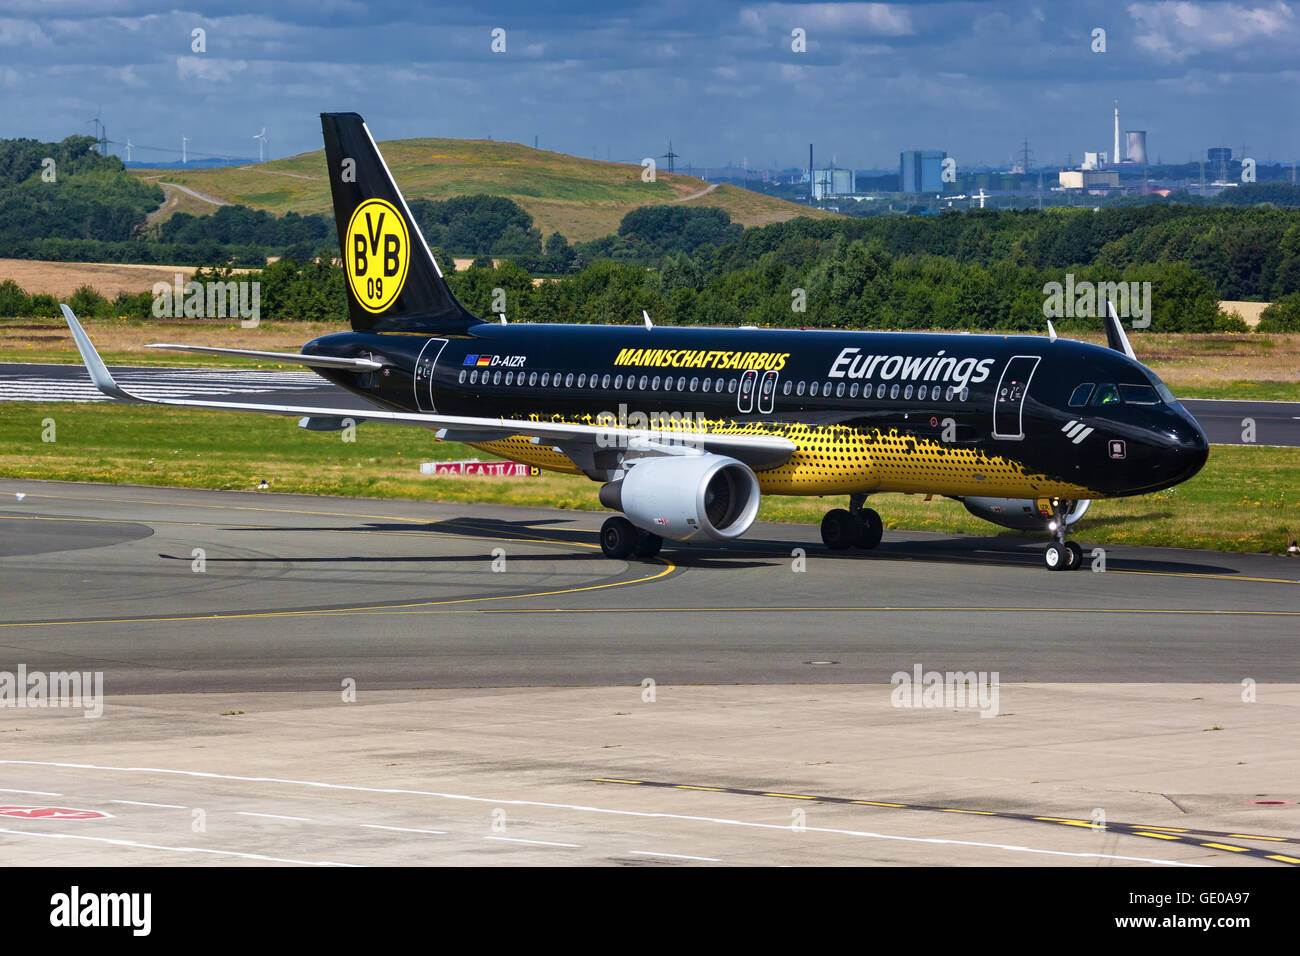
319, 361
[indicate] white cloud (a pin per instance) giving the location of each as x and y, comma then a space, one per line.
208, 68
1178, 30
840, 19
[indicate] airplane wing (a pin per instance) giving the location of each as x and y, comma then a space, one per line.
320, 361
757, 451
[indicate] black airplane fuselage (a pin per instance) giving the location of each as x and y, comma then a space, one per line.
952, 414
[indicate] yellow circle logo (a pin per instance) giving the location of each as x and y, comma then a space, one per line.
378, 253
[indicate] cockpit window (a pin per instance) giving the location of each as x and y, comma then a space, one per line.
1080, 396
1139, 395
1106, 394
1165, 393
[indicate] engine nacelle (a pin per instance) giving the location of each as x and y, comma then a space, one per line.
682, 496
1023, 514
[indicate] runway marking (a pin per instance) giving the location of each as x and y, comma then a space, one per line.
34, 793
677, 856
1130, 829
169, 849
533, 842
376, 826
608, 811
272, 816
141, 803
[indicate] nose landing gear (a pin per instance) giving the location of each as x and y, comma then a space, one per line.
1061, 555
858, 527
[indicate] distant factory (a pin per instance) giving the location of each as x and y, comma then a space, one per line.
1099, 170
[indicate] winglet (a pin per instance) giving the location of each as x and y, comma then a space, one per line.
1115, 336
94, 364
646, 316
1051, 332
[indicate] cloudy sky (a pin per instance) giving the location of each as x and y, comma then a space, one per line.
620, 79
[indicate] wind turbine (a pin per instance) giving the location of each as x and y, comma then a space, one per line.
185, 141
129, 146
95, 119
261, 143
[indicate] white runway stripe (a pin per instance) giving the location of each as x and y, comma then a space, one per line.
156, 383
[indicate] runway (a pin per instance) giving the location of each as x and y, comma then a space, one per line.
402, 594
1224, 421
348, 682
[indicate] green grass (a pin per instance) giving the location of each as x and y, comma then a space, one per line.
582, 198
1261, 391
1245, 499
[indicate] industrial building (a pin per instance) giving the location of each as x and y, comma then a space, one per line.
832, 182
921, 170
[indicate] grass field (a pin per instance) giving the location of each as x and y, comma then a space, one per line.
582, 198
1246, 498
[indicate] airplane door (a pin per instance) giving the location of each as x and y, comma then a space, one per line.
424, 368
745, 399
767, 392
1009, 399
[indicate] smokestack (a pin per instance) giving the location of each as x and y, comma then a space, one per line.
810, 166
1114, 157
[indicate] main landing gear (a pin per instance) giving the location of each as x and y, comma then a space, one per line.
1061, 555
620, 538
858, 527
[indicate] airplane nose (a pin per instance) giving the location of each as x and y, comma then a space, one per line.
1190, 446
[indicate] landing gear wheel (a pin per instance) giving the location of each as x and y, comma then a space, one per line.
838, 529
617, 537
1055, 557
647, 544
869, 528
1073, 555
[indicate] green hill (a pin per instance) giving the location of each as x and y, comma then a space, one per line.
581, 198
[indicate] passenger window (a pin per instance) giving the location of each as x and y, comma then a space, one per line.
681, 383
695, 384
463, 375
568, 380
604, 382
532, 378
1081, 395
839, 390
496, 377
618, 381
800, 388
719, 386
1106, 394
907, 392
893, 390
654, 384
921, 392
473, 377
853, 390
880, 390
965, 394
731, 385
546, 379
947, 396
582, 380
644, 380
708, 383
813, 389
510, 378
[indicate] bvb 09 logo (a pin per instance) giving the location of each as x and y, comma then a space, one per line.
379, 252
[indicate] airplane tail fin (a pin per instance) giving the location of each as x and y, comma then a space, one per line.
393, 283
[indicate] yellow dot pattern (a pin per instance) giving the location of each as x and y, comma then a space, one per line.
838, 459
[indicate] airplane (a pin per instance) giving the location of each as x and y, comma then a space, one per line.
686, 428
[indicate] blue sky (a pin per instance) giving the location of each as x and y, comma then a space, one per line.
620, 79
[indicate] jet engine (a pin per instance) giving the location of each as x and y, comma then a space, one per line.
682, 496
1023, 514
